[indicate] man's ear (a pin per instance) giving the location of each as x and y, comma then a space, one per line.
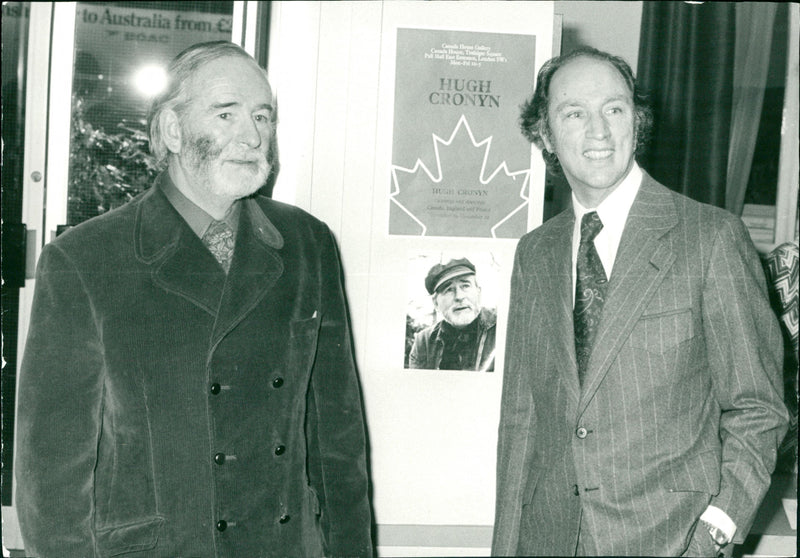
171, 130
544, 133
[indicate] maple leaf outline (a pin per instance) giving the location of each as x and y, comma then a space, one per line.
437, 141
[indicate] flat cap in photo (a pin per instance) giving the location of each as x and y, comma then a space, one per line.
441, 273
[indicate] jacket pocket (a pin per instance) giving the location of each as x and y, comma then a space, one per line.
530, 487
697, 473
661, 332
131, 537
304, 327
303, 336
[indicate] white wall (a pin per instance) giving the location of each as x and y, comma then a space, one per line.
610, 26
331, 64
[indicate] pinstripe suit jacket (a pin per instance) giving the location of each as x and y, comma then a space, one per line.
682, 401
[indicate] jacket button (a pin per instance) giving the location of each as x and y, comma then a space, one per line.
284, 518
279, 450
575, 490
277, 382
581, 432
215, 389
222, 525
219, 459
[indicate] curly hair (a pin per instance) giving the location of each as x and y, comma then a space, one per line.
534, 119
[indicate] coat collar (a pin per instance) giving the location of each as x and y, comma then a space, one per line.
159, 225
182, 265
643, 259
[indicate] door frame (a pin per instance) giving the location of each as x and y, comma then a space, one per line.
48, 110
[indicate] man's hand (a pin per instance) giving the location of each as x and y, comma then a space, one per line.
702, 544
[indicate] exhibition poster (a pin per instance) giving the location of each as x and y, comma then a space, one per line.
460, 165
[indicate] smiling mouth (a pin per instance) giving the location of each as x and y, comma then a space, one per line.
598, 154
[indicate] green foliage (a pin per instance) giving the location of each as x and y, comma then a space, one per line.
106, 170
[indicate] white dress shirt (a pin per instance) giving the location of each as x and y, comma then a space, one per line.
613, 212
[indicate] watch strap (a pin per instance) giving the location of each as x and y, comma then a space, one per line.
717, 535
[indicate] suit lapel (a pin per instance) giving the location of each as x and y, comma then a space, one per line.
643, 259
556, 287
255, 268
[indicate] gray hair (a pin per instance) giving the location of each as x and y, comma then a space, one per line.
176, 95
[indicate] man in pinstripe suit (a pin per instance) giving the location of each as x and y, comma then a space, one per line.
665, 443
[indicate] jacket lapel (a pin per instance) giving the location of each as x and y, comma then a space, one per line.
556, 287
256, 267
643, 259
180, 263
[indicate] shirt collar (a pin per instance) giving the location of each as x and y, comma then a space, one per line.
197, 219
613, 210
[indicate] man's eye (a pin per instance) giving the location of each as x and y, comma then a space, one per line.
574, 114
261, 118
225, 115
615, 110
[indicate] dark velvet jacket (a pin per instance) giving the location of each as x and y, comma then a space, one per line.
166, 409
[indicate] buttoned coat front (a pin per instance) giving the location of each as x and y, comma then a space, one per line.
169, 409
681, 406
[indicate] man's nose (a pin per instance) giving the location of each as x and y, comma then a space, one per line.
597, 126
249, 134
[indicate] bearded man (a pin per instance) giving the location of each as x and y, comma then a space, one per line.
188, 386
464, 337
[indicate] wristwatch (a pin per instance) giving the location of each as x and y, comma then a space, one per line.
719, 538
